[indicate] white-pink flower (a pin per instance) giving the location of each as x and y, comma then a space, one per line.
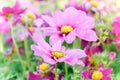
68, 25
56, 53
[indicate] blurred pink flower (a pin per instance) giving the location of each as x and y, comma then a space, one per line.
56, 53
75, 4
100, 74
106, 73
29, 6
69, 24
6, 13
116, 26
116, 30
112, 55
4, 25
16, 9
86, 74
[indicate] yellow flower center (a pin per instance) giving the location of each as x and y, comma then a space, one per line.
31, 15
90, 60
14, 50
94, 3
31, 29
66, 29
58, 54
97, 75
22, 19
44, 66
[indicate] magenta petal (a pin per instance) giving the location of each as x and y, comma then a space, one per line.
107, 71
86, 74
7, 10
33, 76
70, 37
88, 35
49, 20
106, 78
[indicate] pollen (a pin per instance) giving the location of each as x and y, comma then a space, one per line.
31, 15
94, 3
31, 29
66, 29
58, 54
44, 67
97, 75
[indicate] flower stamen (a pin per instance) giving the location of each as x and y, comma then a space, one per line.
58, 54
66, 29
97, 75
44, 67
31, 15
94, 3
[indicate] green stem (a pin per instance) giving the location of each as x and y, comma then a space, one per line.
77, 43
26, 49
17, 50
1, 43
56, 73
66, 72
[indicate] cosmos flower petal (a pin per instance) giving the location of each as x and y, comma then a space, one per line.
85, 22
107, 71
58, 16
37, 38
81, 63
50, 31
76, 53
106, 78
88, 35
49, 20
5, 28
55, 38
57, 46
70, 37
48, 59
39, 50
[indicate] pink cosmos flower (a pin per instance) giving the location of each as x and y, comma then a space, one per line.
69, 24
112, 55
116, 26
4, 16
106, 73
86, 74
4, 25
16, 9
100, 74
116, 30
75, 4
56, 53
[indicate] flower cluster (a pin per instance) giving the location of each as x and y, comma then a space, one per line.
60, 40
